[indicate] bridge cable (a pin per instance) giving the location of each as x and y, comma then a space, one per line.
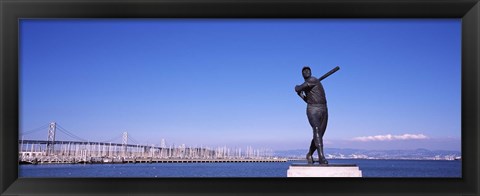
130, 138
63, 130
34, 130
110, 140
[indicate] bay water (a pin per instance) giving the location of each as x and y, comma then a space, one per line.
369, 168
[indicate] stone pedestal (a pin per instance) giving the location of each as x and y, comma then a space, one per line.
330, 170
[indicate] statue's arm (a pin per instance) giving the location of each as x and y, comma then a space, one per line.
301, 87
302, 95
300, 90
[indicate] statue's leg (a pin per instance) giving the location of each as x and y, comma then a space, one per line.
310, 152
312, 116
318, 136
316, 118
319, 146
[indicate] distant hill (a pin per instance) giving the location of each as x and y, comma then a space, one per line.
347, 153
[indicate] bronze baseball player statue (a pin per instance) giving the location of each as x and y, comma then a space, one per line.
312, 92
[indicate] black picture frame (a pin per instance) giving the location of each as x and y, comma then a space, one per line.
13, 10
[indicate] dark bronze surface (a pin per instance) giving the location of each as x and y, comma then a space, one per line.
313, 93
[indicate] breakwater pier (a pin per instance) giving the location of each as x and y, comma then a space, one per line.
97, 160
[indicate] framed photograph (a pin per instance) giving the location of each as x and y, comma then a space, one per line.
222, 97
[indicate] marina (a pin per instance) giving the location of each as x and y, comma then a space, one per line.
54, 151
35, 152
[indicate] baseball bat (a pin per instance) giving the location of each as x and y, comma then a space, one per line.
329, 73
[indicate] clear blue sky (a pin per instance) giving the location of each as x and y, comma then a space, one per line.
231, 82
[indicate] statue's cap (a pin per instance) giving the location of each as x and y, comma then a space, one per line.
306, 67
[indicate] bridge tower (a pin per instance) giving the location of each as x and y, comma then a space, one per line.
125, 143
51, 138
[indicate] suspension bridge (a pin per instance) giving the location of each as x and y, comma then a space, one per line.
76, 149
